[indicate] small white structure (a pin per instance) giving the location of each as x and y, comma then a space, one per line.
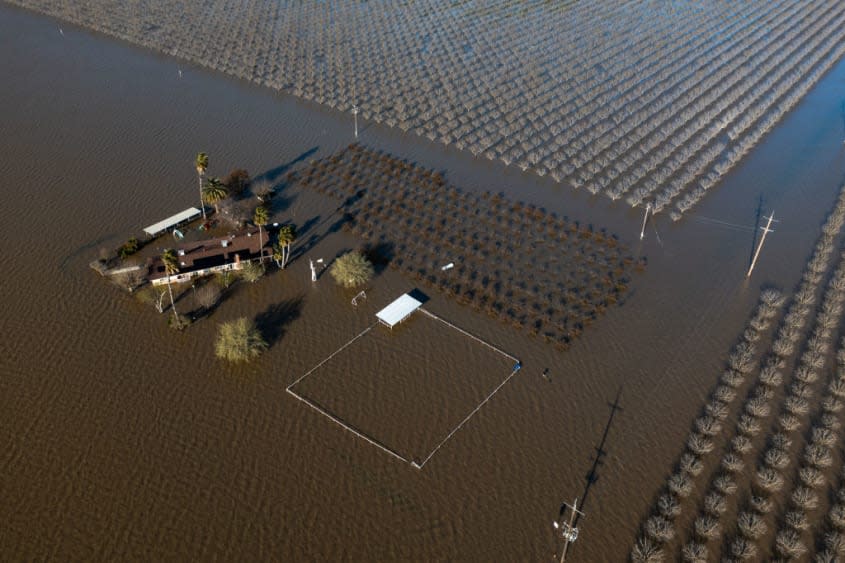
398, 311
188, 215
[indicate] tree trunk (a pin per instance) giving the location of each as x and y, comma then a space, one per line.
172, 302
202, 203
160, 303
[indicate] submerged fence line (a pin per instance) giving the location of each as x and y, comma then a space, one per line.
462, 331
464, 421
375, 442
346, 426
335, 353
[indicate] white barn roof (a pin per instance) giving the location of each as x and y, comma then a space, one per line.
399, 310
161, 226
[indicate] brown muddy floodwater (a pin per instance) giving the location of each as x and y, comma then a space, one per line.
120, 439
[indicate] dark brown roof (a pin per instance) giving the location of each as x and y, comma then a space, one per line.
217, 251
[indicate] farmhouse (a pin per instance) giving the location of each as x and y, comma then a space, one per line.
205, 257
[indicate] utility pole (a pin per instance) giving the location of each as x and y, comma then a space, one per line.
645, 218
568, 531
766, 230
355, 113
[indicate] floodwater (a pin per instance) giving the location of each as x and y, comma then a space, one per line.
122, 439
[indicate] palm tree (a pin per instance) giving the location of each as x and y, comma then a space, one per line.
260, 218
201, 165
214, 192
171, 266
287, 236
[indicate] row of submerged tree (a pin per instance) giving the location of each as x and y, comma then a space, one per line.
515, 262
762, 497
636, 101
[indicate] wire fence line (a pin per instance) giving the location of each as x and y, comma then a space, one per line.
372, 440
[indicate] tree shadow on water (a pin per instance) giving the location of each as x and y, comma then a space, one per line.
272, 175
272, 321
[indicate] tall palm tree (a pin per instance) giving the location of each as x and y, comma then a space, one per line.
171, 266
260, 218
214, 192
287, 236
201, 164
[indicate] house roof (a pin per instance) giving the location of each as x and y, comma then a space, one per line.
207, 253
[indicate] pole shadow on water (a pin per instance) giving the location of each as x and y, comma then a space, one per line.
758, 214
592, 476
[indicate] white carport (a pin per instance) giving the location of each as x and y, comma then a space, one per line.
187, 215
398, 311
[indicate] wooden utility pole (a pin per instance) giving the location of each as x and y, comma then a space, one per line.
645, 218
766, 230
568, 531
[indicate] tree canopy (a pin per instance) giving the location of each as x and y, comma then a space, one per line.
352, 269
239, 341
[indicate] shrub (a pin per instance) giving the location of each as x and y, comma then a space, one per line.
714, 504
208, 295
178, 322
788, 422
699, 444
252, 271
836, 515
690, 464
797, 520
751, 525
237, 181
708, 426
128, 248
788, 544
775, 457
717, 409
748, 425
817, 456
741, 444
757, 407
724, 485
760, 504
659, 529
646, 551
835, 543
694, 552
352, 270
680, 485
707, 527
804, 498
811, 477
743, 549
769, 479
668, 506
732, 463
239, 341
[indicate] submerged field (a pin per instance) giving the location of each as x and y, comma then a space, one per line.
650, 102
122, 439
